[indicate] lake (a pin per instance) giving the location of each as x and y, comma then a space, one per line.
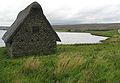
69, 38
79, 38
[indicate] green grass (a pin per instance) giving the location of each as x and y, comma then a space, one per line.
88, 63
113, 35
108, 33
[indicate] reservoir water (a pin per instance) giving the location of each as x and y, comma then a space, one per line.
79, 38
69, 38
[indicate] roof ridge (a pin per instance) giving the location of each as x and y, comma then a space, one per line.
20, 18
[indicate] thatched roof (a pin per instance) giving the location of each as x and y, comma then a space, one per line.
20, 19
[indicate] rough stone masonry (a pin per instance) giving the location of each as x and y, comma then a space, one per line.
31, 33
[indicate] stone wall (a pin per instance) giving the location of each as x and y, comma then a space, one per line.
25, 42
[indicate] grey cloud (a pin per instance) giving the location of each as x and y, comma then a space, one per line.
102, 14
97, 15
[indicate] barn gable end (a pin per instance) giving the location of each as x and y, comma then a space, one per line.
31, 33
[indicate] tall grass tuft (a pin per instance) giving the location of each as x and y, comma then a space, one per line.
66, 64
31, 64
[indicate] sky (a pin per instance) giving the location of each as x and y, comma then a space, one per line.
65, 11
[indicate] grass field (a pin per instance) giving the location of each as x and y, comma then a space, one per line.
88, 63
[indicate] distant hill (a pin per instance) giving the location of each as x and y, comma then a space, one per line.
83, 27
80, 27
4, 27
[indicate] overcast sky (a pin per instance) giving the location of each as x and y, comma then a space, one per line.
65, 11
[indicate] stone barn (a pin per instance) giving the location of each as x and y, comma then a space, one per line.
31, 33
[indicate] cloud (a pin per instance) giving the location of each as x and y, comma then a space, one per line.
104, 14
65, 11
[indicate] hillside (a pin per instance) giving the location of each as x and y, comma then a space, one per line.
81, 27
3, 27
84, 27
89, 63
